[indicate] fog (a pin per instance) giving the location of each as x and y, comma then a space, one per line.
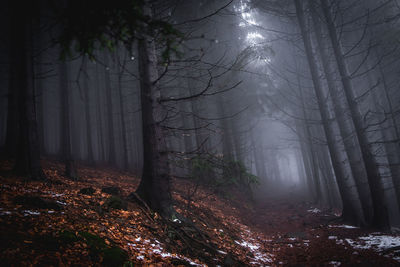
281, 99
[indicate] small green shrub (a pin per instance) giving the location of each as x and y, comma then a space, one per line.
115, 202
114, 256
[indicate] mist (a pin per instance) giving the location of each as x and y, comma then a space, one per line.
286, 112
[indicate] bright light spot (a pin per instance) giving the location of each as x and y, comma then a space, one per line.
254, 37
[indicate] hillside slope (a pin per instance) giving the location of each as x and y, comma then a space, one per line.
90, 223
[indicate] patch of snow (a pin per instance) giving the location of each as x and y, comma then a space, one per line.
138, 239
314, 210
339, 242
5, 213
50, 211
61, 203
292, 238
376, 242
343, 226
140, 257
53, 194
335, 263
332, 237
29, 212
166, 254
252, 247
222, 252
131, 244
177, 220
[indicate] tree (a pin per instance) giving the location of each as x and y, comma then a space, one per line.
350, 212
345, 126
380, 217
21, 71
66, 154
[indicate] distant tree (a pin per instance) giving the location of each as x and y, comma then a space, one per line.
70, 168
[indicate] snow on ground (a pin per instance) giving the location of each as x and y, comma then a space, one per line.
343, 226
260, 257
156, 248
314, 210
375, 241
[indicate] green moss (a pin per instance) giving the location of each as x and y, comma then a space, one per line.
114, 256
67, 237
87, 191
94, 242
115, 202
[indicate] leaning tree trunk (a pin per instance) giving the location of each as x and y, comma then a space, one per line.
315, 178
28, 152
70, 169
154, 186
345, 126
380, 217
350, 212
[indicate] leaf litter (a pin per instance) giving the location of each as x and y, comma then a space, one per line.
80, 230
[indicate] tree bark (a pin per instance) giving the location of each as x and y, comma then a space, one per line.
154, 186
88, 117
70, 169
28, 152
345, 125
350, 212
110, 117
380, 217
123, 122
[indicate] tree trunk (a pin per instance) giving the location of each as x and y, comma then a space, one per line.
380, 217
345, 126
350, 212
123, 122
88, 117
28, 153
154, 186
110, 116
70, 169
315, 178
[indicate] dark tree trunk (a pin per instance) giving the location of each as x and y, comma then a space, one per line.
350, 212
315, 178
28, 153
154, 186
12, 107
88, 117
123, 123
380, 213
345, 126
110, 116
70, 169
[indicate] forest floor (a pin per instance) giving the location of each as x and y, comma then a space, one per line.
89, 223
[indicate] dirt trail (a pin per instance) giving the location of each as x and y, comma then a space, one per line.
302, 235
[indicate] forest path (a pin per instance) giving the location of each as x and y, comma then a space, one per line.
302, 235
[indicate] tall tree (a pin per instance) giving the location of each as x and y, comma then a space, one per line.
70, 169
380, 217
110, 115
21, 68
345, 125
350, 212
154, 186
